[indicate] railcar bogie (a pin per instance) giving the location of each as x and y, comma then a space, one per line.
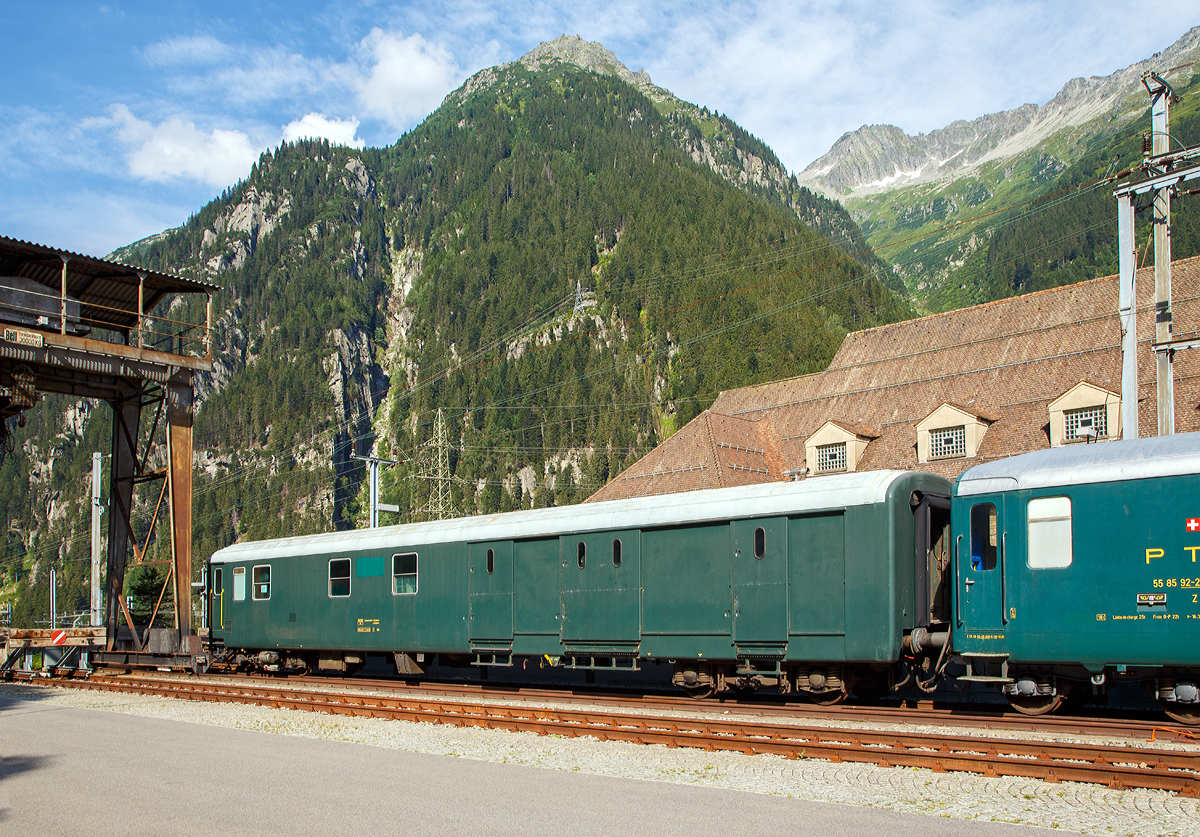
1179, 696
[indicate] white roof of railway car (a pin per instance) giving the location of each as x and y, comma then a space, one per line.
1136, 459
813, 494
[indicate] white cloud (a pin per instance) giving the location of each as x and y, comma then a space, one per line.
319, 126
194, 49
176, 149
408, 79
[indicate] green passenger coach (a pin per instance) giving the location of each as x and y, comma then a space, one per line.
809, 586
1078, 566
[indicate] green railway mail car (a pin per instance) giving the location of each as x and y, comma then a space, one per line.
809, 586
1077, 566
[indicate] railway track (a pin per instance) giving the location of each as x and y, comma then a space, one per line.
1114, 766
926, 712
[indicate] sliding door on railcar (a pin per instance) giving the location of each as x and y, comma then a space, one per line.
760, 584
490, 594
602, 592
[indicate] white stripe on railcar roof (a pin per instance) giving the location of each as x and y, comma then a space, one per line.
813, 494
1078, 464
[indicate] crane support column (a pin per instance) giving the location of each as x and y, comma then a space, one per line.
127, 412
179, 484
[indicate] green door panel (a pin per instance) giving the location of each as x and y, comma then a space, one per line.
686, 576
760, 576
490, 597
535, 588
601, 589
982, 566
817, 576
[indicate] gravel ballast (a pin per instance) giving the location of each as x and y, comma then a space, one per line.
1089, 809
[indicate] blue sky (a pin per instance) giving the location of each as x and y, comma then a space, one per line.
120, 119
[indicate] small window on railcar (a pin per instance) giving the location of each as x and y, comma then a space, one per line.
984, 537
404, 573
260, 590
491, 561
1050, 545
616, 552
760, 542
216, 586
582, 554
339, 577
239, 584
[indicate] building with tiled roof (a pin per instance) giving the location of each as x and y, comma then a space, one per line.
939, 393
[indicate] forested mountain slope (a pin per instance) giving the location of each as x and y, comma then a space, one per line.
566, 268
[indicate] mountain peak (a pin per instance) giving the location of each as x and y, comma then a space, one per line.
588, 55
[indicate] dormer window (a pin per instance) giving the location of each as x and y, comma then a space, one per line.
837, 447
948, 442
1085, 423
831, 458
1084, 413
952, 432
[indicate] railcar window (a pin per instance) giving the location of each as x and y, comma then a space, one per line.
760, 542
491, 561
616, 553
216, 587
261, 590
239, 584
984, 537
404, 573
582, 551
339, 577
1049, 532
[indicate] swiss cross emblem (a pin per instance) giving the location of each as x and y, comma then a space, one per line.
1193, 524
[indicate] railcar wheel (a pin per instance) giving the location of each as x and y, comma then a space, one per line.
700, 691
830, 698
1184, 713
1036, 704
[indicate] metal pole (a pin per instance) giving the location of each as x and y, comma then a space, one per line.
62, 301
374, 493
53, 602
97, 510
141, 311
1128, 313
374, 462
1161, 144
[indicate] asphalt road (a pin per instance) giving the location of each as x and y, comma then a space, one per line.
85, 772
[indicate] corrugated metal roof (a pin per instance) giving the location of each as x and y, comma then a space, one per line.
1159, 456
814, 494
107, 290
